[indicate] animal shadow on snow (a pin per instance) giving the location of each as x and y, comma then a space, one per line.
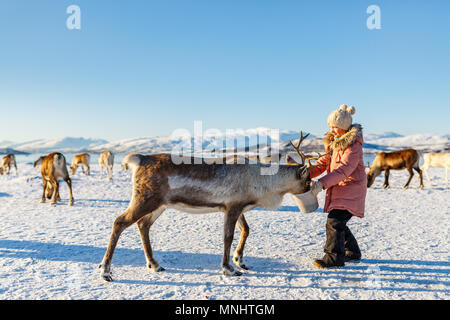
6, 195
173, 261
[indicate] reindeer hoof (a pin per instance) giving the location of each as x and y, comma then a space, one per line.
107, 277
157, 269
232, 272
42, 201
405, 187
239, 263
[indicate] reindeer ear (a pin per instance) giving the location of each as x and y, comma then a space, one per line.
290, 160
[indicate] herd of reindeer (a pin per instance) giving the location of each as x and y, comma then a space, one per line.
54, 167
198, 187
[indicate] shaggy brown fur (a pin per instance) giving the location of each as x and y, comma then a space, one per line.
7, 162
158, 183
82, 160
403, 159
53, 168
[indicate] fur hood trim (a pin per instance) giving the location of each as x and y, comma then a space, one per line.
345, 141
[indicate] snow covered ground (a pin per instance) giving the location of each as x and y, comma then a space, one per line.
374, 143
52, 252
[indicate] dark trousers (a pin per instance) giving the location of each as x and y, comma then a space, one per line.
340, 240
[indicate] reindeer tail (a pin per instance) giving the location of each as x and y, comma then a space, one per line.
131, 161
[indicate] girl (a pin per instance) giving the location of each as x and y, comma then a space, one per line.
346, 186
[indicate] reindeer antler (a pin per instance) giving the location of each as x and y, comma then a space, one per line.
309, 158
297, 148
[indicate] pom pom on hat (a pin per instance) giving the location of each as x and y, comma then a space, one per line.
350, 109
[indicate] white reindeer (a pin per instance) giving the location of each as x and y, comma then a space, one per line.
106, 160
434, 159
159, 183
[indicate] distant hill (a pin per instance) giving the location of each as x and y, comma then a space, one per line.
245, 140
9, 150
67, 144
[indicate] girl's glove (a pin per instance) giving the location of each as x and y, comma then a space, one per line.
316, 187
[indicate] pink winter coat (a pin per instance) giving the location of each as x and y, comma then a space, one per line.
346, 182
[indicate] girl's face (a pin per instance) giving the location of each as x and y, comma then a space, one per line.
337, 132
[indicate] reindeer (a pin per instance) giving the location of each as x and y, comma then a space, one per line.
83, 161
7, 162
235, 158
53, 168
408, 158
434, 159
106, 159
38, 161
159, 183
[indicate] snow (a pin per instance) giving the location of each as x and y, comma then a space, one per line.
52, 252
67, 144
374, 142
421, 142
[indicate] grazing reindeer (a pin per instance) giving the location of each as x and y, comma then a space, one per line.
158, 184
7, 162
53, 168
83, 161
408, 158
434, 159
106, 159
38, 161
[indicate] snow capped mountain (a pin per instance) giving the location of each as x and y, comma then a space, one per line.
383, 135
422, 142
67, 144
240, 140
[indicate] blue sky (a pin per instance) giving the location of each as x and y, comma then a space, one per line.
146, 68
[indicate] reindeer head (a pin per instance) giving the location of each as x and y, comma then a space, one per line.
374, 171
73, 169
303, 173
38, 161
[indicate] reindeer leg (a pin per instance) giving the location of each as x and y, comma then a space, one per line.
424, 168
411, 174
101, 172
44, 188
55, 190
144, 225
122, 222
386, 179
110, 172
231, 217
88, 170
132, 214
69, 184
58, 198
239, 253
420, 177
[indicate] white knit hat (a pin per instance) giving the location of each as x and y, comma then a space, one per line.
342, 117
